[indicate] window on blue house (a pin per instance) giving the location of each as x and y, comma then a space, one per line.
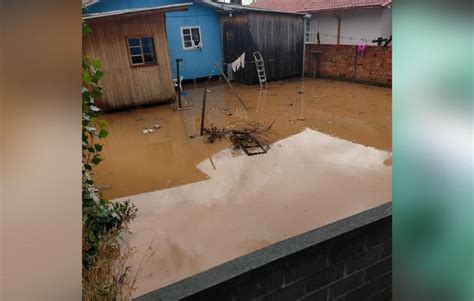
142, 51
191, 37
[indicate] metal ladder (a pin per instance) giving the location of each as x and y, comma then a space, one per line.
260, 65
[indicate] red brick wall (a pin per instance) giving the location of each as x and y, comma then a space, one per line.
342, 62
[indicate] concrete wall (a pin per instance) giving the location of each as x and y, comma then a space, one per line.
342, 62
354, 266
358, 26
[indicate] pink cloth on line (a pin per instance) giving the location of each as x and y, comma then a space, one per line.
361, 49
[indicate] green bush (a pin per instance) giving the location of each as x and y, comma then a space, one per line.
102, 221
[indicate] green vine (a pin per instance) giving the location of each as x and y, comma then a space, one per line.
100, 217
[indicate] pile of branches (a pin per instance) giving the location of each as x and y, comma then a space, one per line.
241, 132
252, 132
213, 133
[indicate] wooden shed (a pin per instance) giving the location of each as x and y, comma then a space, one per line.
278, 36
133, 48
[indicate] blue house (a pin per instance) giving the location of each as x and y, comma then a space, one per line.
193, 35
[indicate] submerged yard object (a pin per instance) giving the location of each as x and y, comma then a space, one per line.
148, 131
203, 110
213, 133
252, 138
151, 129
248, 144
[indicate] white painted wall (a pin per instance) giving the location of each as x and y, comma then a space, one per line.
358, 26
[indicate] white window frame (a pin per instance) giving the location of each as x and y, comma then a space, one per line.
190, 30
311, 35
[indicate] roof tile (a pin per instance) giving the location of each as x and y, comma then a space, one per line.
317, 5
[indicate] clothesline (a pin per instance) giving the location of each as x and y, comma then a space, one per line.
267, 60
341, 37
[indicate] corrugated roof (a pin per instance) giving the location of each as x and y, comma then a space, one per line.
87, 3
133, 10
235, 7
318, 5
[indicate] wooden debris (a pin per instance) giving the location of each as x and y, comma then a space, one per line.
248, 136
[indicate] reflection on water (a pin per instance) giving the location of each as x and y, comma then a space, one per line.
305, 181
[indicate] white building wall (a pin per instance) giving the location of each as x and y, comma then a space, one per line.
358, 26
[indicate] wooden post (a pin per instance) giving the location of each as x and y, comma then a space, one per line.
203, 110
204, 99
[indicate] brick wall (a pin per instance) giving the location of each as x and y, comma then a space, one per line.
352, 266
342, 62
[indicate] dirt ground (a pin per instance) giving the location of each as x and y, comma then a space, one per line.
135, 162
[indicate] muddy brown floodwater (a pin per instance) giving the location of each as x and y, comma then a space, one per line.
200, 205
305, 181
135, 162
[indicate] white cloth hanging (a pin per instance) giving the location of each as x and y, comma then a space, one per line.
239, 63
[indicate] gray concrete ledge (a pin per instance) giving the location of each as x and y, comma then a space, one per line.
246, 263
350, 80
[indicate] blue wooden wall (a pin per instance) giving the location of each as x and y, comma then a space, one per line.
197, 62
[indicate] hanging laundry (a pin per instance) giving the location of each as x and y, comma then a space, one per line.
236, 65
242, 60
361, 49
239, 63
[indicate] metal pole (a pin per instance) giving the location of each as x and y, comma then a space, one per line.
338, 29
178, 81
306, 19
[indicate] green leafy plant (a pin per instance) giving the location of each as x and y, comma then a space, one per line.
103, 222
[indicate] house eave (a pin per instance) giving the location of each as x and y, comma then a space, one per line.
223, 8
164, 8
347, 8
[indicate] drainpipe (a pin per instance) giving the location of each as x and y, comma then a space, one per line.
305, 18
338, 28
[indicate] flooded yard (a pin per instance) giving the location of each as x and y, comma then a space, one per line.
203, 204
136, 162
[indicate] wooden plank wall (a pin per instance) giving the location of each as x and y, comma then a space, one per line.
236, 38
126, 86
278, 37
280, 40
